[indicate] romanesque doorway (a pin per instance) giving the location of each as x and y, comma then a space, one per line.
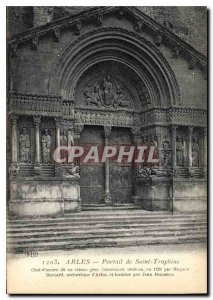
92, 182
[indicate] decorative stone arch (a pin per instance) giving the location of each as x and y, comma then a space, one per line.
124, 47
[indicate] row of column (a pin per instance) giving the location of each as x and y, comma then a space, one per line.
107, 132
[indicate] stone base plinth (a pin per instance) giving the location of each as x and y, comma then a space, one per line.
172, 194
34, 198
154, 194
190, 195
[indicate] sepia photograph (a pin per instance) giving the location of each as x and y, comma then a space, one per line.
107, 149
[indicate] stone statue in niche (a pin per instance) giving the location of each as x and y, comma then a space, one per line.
166, 152
179, 152
46, 143
195, 152
106, 93
24, 146
63, 142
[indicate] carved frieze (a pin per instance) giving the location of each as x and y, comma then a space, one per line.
43, 105
101, 117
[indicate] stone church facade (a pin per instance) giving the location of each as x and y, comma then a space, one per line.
105, 76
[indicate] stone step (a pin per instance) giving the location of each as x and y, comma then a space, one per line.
128, 206
106, 225
106, 230
95, 222
91, 216
107, 242
96, 235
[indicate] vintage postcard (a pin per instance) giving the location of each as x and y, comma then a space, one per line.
107, 150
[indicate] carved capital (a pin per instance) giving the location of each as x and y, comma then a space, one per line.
173, 129
35, 42
78, 128
190, 130
36, 120
136, 131
56, 35
107, 131
13, 119
204, 130
57, 122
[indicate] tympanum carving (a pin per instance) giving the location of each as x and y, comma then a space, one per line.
106, 93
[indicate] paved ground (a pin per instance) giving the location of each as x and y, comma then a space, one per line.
155, 249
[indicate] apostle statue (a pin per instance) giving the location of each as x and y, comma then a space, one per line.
46, 143
179, 152
24, 146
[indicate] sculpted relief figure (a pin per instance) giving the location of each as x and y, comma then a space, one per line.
195, 153
92, 98
179, 152
166, 152
46, 143
71, 172
24, 146
107, 93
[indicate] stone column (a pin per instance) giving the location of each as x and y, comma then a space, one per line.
107, 196
78, 128
190, 130
173, 138
205, 149
136, 141
158, 137
14, 119
37, 121
57, 131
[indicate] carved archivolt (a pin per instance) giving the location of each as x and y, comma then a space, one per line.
118, 45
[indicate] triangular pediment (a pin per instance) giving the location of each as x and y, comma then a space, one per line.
140, 22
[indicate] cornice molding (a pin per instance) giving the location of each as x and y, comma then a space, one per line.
139, 19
